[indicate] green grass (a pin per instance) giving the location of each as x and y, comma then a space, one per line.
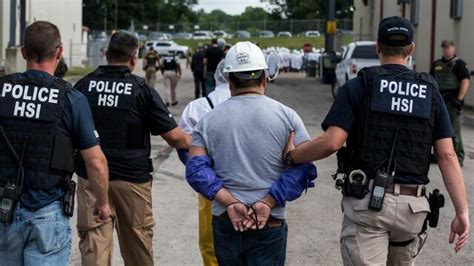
288, 42
78, 71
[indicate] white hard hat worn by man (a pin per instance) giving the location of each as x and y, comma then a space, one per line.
235, 161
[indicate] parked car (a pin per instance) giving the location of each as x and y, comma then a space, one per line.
284, 34
163, 47
242, 34
266, 34
183, 35
358, 55
220, 34
311, 33
202, 35
158, 36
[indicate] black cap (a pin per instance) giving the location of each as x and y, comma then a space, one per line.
395, 31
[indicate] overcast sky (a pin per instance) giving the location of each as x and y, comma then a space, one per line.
232, 7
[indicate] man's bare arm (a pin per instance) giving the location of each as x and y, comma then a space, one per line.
176, 138
454, 182
321, 147
463, 89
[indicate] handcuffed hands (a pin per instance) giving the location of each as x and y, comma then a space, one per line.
251, 217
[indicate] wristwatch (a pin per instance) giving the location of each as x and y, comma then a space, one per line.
288, 160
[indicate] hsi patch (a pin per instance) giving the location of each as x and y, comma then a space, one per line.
404, 97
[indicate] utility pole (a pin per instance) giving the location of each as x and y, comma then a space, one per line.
12, 41
105, 18
116, 14
330, 25
22, 20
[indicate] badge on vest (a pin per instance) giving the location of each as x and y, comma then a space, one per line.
403, 97
109, 93
29, 101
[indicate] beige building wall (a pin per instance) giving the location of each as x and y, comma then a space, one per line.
459, 30
66, 14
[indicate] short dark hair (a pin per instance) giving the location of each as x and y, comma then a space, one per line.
122, 47
214, 41
42, 38
395, 51
240, 83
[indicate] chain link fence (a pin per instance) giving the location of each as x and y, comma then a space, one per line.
254, 27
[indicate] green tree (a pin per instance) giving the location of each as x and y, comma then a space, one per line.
96, 12
309, 9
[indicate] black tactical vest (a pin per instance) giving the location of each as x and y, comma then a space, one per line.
393, 102
151, 58
31, 111
112, 96
445, 76
169, 63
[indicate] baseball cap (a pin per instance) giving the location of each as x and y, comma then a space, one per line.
395, 31
447, 43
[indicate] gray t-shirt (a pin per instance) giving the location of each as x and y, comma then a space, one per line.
245, 137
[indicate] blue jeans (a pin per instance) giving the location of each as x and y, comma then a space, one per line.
261, 247
41, 238
210, 83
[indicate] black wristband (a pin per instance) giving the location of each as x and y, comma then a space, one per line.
288, 160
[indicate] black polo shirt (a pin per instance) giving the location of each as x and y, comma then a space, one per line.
147, 109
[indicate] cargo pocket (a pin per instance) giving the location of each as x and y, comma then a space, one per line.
419, 208
350, 247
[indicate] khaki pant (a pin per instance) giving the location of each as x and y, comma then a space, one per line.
170, 79
132, 216
206, 240
150, 76
366, 234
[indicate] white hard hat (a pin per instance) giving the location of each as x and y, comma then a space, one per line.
243, 57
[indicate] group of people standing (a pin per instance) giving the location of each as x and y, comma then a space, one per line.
204, 64
170, 68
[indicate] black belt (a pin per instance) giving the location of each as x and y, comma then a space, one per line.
272, 222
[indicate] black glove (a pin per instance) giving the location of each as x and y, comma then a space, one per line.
458, 103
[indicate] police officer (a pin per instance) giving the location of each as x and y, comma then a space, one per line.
42, 120
390, 117
197, 67
452, 75
150, 66
171, 75
126, 111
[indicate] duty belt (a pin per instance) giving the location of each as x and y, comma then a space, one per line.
398, 189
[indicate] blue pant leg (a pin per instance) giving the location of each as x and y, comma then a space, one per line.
50, 240
12, 241
227, 242
266, 246
210, 83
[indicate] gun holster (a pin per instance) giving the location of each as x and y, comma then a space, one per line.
436, 201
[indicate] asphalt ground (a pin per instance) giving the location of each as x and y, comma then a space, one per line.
314, 220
